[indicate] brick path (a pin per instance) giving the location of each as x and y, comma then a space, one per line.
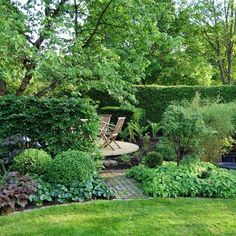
125, 188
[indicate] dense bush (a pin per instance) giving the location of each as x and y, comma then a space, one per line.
93, 188
135, 114
219, 118
190, 179
70, 166
153, 159
155, 99
165, 149
16, 191
49, 121
182, 131
39, 161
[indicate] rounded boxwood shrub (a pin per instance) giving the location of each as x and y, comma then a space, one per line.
70, 166
153, 159
39, 161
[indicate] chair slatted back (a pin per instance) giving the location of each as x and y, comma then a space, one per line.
119, 125
105, 120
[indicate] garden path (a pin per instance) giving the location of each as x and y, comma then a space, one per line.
124, 187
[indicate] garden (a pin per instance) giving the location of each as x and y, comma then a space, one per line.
117, 117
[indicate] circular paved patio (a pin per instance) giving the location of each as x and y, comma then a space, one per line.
126, 148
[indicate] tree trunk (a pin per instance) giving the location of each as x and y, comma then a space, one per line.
29, 65
229, 62
222, 73
2, 87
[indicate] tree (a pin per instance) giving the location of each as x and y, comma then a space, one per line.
177, 56
51, 45
217, 21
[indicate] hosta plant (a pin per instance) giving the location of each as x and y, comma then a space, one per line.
77, 191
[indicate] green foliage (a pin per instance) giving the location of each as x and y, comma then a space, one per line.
219, 120
183, 131
49, 121
15, 192
134, 131
191, 179
125, 159
155, 99
93, 188
178, 56
155, 128
38, 160
106, 50
164, 148
70, 166
153, 160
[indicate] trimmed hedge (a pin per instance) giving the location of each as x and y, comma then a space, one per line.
155, 99
49, 121
136, 114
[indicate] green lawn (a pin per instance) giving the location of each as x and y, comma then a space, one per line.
135, 217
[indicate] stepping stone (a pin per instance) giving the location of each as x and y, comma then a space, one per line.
110, 163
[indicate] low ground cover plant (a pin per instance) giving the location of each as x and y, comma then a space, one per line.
16, 191
77, 191
192, 178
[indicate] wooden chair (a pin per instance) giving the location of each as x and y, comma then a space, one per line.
104, 122
112, 133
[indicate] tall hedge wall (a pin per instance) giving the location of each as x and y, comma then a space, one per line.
49, 121
155, 99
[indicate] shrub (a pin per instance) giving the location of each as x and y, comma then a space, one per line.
183, 131
39, 161
190, 179
153, 159
75, 192
219, 120
165, 149
16, 191
70, 166
49, 121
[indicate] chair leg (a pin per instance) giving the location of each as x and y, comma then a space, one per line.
109, 144
117, 144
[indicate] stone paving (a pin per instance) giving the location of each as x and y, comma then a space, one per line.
124, 187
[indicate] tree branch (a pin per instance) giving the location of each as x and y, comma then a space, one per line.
48, 26
44, 91
87, 42
76, 18
28, 63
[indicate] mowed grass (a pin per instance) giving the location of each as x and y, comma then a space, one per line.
135, 217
